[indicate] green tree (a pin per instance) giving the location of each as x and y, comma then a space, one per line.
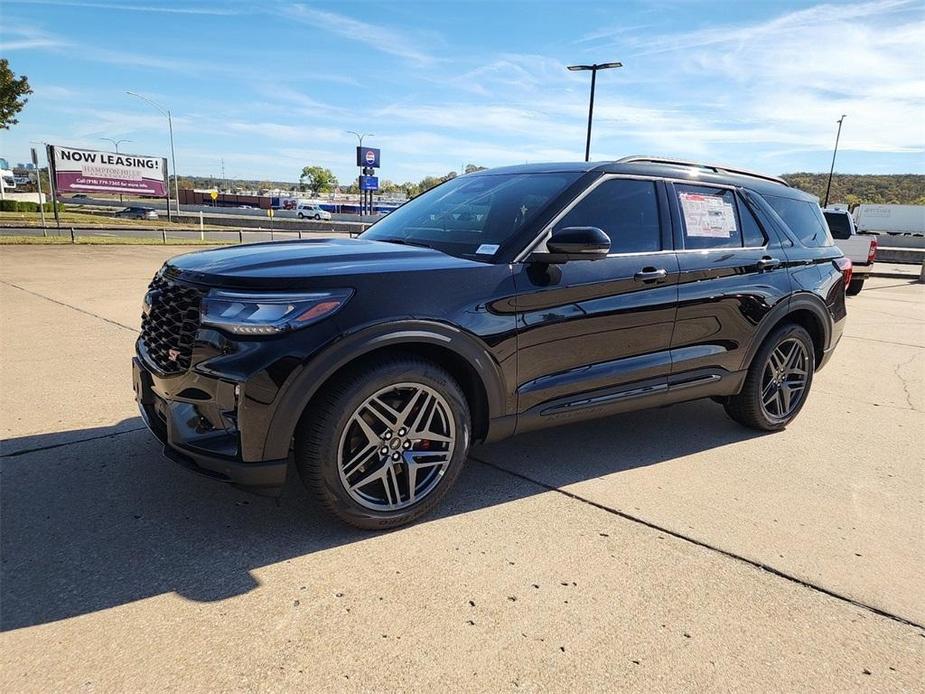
12, 93
318, 179
472, 168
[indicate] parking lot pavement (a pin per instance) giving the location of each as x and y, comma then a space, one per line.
658, 550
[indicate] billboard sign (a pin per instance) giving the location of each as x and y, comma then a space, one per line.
368, 156
369, 183
83, 170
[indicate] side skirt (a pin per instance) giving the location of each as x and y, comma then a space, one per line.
641, 395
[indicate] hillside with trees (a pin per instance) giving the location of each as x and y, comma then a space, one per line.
854, 189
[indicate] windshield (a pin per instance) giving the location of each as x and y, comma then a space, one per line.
472, 215
838, 224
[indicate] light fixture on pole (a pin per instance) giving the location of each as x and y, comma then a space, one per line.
116, 143
828, 186
593, 69
173, 156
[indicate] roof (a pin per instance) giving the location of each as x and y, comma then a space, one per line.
667, 168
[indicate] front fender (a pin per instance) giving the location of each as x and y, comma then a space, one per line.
306, 380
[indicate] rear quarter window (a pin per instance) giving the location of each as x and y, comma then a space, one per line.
803, 218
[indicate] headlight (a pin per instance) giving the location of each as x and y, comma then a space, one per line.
269, 313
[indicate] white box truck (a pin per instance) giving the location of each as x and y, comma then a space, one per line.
890, 219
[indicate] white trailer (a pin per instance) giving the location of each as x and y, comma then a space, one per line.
890, 219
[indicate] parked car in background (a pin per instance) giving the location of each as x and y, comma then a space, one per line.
860, 248
137, 212
311, 210
496, 303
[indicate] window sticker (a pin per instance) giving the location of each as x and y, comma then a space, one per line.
708, 216
487, 249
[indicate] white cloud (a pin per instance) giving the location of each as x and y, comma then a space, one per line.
376, 36
204, 9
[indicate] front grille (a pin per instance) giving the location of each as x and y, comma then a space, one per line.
169, 328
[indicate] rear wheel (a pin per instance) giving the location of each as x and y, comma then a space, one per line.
381, 445
317, 216
778, 381
301, 216
854, 287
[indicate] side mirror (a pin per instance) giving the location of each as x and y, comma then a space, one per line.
574, 243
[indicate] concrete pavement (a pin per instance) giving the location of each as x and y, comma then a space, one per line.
657, 550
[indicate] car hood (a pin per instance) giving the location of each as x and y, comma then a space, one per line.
308, 262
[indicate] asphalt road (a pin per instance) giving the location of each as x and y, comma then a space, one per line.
654, 551
161, 205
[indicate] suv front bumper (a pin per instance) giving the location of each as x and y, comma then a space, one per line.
199, 430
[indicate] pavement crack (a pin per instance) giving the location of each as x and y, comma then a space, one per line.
886, 342
903, 380
75, 308
706, 545
24, 451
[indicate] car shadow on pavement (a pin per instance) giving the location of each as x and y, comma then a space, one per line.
105, 520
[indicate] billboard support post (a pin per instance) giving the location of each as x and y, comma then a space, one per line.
50, 153
38, 187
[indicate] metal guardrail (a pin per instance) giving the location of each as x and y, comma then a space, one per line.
74, 232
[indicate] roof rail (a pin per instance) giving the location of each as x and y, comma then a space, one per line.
719, 168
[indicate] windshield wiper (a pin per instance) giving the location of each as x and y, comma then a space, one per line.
406, 242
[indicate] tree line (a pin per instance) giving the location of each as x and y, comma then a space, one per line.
856, 189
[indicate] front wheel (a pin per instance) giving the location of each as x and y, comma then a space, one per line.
382, 444
778, 381
854, 287
317, 216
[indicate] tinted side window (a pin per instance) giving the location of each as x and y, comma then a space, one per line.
838, 224
626, 210
803, 218
752, 234
709, 217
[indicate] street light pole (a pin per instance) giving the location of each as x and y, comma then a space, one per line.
828, 186
173, 154
593, 68
366, 196
116, 144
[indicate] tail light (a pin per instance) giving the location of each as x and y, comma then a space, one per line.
872, 253
845, 267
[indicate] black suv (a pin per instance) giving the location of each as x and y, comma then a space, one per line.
496, 303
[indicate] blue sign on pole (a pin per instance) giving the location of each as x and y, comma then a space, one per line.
368, 156
369, 183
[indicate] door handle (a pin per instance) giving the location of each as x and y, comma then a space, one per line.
768, 263
651, 274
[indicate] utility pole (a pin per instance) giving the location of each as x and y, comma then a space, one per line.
173, 155
593, 68
828, 186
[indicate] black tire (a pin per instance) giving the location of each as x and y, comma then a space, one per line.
317, 216
855, 287
319, 436
301, 216
747, 408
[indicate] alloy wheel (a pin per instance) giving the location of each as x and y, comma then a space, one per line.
783, 382
396, 446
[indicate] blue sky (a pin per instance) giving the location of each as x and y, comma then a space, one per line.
271, 87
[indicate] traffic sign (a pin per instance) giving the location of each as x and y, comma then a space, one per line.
369, 183
214, 195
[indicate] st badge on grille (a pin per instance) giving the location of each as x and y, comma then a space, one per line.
173, 354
